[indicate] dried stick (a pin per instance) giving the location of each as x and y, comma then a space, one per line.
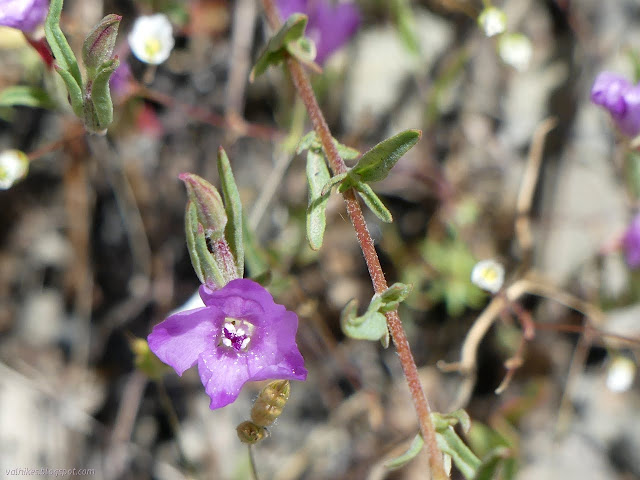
303, 87
528, 187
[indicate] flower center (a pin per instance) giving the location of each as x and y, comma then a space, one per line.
236, 334
152, 46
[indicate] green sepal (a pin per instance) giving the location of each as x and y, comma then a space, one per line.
233, 209
372, 325
406, 457
202, 259
373, 202
60, 48
275, 51
74, 90
100, 98
99, 45
25, 96
317, 175
376, 164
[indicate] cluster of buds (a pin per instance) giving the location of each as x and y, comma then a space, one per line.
266, 409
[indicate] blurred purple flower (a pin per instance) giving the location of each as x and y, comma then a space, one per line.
120, 81
330, 25
620, 98
24, 15
631, 243
240, 335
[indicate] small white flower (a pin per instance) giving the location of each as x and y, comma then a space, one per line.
488, 275
151, 39
14, 165
621, 373
493, 21
516, 50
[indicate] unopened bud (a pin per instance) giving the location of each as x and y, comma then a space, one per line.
249, 432
208, 203
270, 402
14, 166
99, 45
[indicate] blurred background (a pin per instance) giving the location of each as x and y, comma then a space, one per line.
93, 253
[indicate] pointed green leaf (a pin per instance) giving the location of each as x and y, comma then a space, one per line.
373, 202
65, 57
317, 175
101, 96
450, 443
74, 90
233, 208
25, 96
376, 164
275, 50
406, 457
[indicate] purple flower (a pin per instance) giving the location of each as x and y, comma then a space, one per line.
631, 243
330, 25
24, 15
620, 98
240, 335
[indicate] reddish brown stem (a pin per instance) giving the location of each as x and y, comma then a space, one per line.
303, 86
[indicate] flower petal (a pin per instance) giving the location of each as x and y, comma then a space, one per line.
241, 288
274, 354
223, 373
181, 338
332, 26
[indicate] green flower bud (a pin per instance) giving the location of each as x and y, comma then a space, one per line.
99, 45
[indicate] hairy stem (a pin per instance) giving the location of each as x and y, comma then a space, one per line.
303, 87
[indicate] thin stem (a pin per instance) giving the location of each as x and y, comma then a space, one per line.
303, 87
252, 462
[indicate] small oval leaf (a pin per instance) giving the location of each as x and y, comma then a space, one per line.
376, 164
